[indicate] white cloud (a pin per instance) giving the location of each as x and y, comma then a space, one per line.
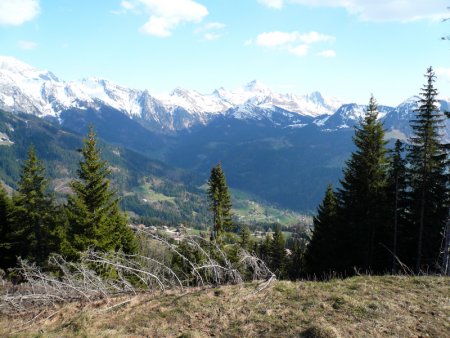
26, 45
295, 42
300, 50
443, 73
17, 12
386, 10
127, 5
211, 36
276, 38
273, 39
166, 15
211, 30
277, 4
214, 25
329, 53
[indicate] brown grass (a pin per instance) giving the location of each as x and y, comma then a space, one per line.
356, 307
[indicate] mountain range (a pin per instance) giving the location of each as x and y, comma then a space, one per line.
283, 148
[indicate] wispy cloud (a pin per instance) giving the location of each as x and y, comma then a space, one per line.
295, 43
166, 15
443, 73
211, 30
26, 45
277, 4
17, 12
386, 10
329, 53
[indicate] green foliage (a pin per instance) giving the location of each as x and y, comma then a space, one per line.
7, 258
95, 220
245, 237
361, 199
277, 260
219, 202
322, 252
427, 177
34, 215
396, 203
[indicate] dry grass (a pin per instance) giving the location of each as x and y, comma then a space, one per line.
355, 307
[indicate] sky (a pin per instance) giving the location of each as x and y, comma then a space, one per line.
348, 49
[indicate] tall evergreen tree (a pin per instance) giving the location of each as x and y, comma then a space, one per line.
397, 202
245, 237
321, 251
295, 264
278, 252
7, 256
95, 220
361, 198
34, 214
427, 177
219, 202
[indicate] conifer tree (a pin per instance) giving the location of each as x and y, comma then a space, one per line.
427, 177
264, 249
278, 252
321, 251
219, 202
361, 198
34, 214
295, 266
7, 256
95, 220
397, 202
245, 237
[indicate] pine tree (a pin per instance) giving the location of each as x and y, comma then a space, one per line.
264, 249
278, 252
321, 251
245, 237
397, 201
7, 256
427, 176
361, 198
219, 203
95, 220
296, 260
34, 214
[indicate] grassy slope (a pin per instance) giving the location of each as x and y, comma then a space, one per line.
356, 307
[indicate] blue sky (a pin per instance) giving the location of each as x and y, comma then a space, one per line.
343, 48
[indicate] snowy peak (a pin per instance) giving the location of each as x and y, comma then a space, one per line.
17, 69
256, 87
24, 88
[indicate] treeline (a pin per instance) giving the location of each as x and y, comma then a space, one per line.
390, 212
33, 225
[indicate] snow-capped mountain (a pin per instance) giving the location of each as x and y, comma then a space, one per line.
24, 88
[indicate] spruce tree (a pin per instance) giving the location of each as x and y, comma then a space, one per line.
219, 203
321, 251
278, 252
7, 256
245, 237
427, 177
95, 220
34, 214
362, 196
295, 265
397, 203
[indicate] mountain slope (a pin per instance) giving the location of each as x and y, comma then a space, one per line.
58, 149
